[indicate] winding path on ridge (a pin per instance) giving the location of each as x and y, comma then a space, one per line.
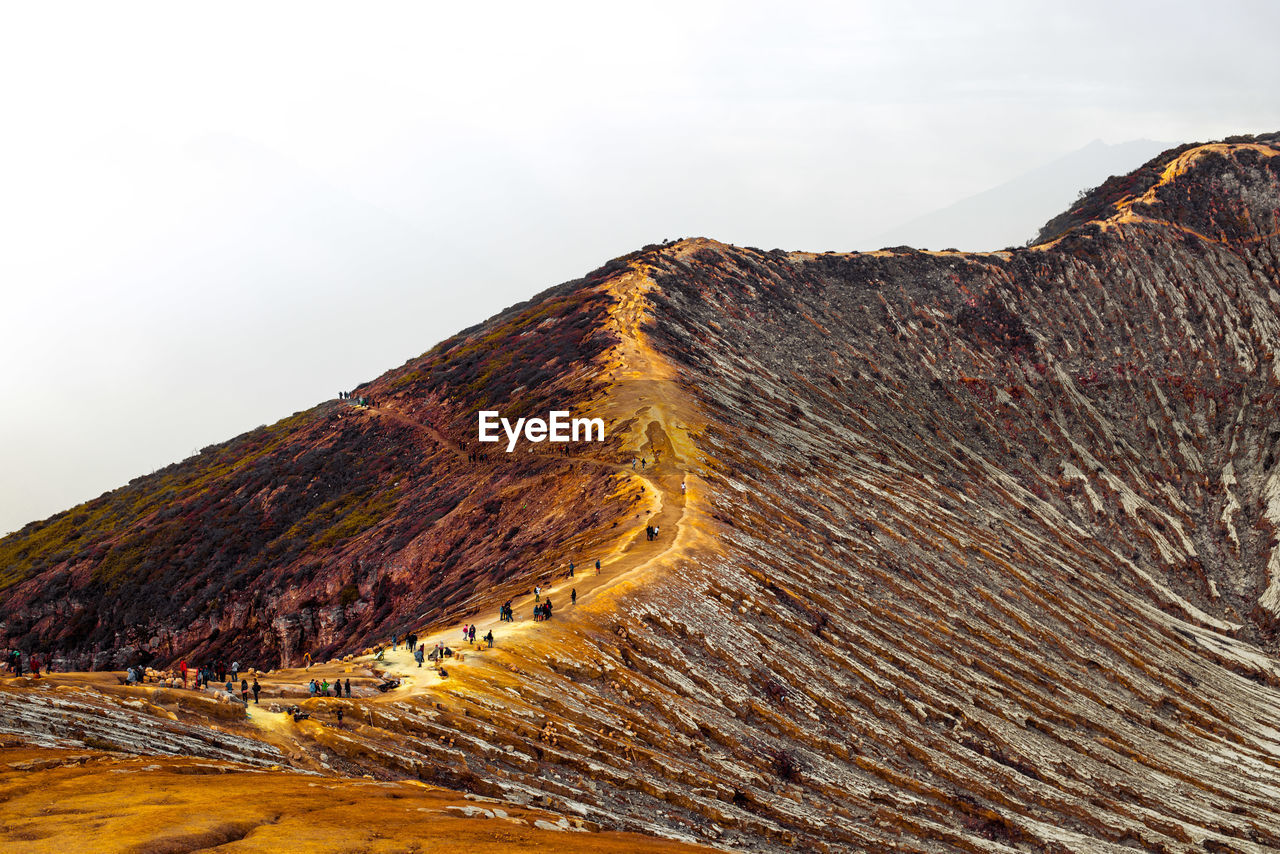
633, 554
642, 395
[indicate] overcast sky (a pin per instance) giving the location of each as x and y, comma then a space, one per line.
211, 217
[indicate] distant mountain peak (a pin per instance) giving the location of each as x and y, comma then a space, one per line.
1149, 191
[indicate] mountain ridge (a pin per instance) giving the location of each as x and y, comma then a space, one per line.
439, 391
971, 551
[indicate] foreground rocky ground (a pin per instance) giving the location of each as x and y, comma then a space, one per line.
60, 800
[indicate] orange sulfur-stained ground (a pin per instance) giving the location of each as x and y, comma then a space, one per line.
62, 801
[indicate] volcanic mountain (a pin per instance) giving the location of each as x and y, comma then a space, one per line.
956, 551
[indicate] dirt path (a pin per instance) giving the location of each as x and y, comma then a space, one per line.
662, 479
447, 443
644, 404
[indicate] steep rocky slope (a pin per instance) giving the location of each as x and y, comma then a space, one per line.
966, 552
338, 524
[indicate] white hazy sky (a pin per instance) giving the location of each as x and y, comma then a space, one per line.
213, 216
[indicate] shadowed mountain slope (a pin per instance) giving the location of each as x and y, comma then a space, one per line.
969, 552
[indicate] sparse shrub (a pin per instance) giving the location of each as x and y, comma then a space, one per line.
776, 692
787, 764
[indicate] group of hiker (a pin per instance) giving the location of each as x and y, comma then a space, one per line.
643, 461
206, 673
469, 634
244, 690
13, 664
410, 641
505, 614
651, 532
542, 611
321, 688
356, 401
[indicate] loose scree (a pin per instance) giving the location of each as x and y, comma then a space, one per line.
557, 427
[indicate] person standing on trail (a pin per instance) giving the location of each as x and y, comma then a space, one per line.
573, 596
256, 688
682, 487
472, 639
419, 654
235, 670
465, 628
597, 566
339, 713
348, 687
537, 593
488, 638
571, 569
244, 691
